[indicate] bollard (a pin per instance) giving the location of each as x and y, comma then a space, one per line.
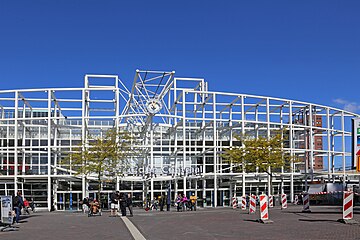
306, 202
283, 201
271, 201
296, 200
234, 203
264, 211
243, 203
252, 204
348, 209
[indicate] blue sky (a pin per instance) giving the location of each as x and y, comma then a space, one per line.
303, 50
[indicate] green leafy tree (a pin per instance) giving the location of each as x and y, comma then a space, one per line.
106, 156
260, 154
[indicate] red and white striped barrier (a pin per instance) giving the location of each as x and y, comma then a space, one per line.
271, 201
348, 205
243, 203
306, 202
252, 205
283, 201
264, 213
234, 202
296, 200
332, 192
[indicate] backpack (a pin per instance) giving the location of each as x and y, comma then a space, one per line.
16, 201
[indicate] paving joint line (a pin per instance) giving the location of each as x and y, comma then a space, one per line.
133, 230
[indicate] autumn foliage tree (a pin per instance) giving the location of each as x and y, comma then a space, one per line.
260, 154
106, 156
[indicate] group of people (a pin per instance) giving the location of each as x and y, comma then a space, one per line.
122, 201
90, 205
183, 203
19, 203
118, 202
160, 202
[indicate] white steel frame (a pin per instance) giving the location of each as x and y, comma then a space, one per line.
39, 126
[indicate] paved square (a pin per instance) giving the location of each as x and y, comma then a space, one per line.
220, 223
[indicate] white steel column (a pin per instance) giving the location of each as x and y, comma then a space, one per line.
83, 132
49, 151
311, 141
203, 152
184, 139
343, 145
16, 162
215, 138
291, 142
268, 137
151, 160
328, 129
243, 134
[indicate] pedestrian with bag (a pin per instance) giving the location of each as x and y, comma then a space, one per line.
18, 203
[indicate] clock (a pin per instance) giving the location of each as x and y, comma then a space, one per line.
153, 106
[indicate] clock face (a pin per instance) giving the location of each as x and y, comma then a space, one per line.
153, 106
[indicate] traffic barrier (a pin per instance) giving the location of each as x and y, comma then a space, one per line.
252, 205
264, 213
348, 205
234, 203
283, 201
296, 200
243, 203
348, 210
306, 202
271, 201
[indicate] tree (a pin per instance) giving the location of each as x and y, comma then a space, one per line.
260, 154
106, 156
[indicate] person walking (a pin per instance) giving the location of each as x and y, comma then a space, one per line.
129, 204
154, 205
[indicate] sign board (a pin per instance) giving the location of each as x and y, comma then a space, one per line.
356, 144
6, 210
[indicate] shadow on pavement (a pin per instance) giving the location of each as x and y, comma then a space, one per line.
317, 220
26, 216
316, 212
251, 220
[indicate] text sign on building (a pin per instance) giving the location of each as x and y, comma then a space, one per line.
356, 143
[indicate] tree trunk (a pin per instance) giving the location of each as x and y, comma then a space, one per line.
99, 188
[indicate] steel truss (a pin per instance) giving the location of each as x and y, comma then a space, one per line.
182, 137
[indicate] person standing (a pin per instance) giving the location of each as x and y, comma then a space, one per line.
162, 202
193, 199
178, 202
85, 204
18, 203
168, 202
114, 198
184, 202
129, 204
123, 204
